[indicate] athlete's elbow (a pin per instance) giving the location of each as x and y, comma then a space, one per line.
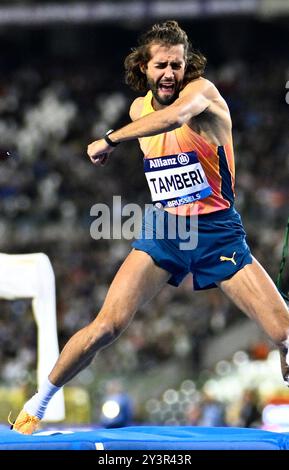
183, 118
173, 122
179, 117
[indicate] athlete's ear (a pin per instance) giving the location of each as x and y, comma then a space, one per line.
143, 68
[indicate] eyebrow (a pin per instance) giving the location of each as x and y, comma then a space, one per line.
174, 62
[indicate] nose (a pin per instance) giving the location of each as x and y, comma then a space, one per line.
168, 73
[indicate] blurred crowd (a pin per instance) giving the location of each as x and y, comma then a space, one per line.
48, 115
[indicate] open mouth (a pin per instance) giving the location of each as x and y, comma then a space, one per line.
167, 88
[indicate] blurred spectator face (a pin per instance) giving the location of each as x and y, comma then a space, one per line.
165, 72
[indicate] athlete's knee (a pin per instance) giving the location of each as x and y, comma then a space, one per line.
117, 315
101, 333
283, 350
278, 324
110, 330
280, 335
113, 327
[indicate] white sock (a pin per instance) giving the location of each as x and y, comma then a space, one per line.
37, 405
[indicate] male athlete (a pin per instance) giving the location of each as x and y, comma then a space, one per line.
184, 128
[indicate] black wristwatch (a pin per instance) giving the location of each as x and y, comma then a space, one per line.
108, 140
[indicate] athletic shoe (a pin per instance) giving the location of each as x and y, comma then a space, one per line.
25, 423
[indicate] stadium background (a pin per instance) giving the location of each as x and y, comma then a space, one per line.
61, 86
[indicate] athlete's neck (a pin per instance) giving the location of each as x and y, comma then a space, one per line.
156, 105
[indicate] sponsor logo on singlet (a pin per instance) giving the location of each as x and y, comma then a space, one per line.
176, 179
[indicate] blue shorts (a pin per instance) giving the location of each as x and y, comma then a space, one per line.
217, 245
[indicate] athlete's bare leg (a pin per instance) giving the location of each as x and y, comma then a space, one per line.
137, 281
254, 292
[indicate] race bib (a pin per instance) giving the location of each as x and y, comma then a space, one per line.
176, 179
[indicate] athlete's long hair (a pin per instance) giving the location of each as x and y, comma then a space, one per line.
168, 33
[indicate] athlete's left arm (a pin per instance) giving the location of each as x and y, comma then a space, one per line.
193, 100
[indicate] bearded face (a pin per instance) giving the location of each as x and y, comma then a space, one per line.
165, 72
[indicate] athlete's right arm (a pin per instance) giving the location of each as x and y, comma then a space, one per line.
99, 150
193, 100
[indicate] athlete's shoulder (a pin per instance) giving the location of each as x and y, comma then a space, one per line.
200, 85
136, 108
